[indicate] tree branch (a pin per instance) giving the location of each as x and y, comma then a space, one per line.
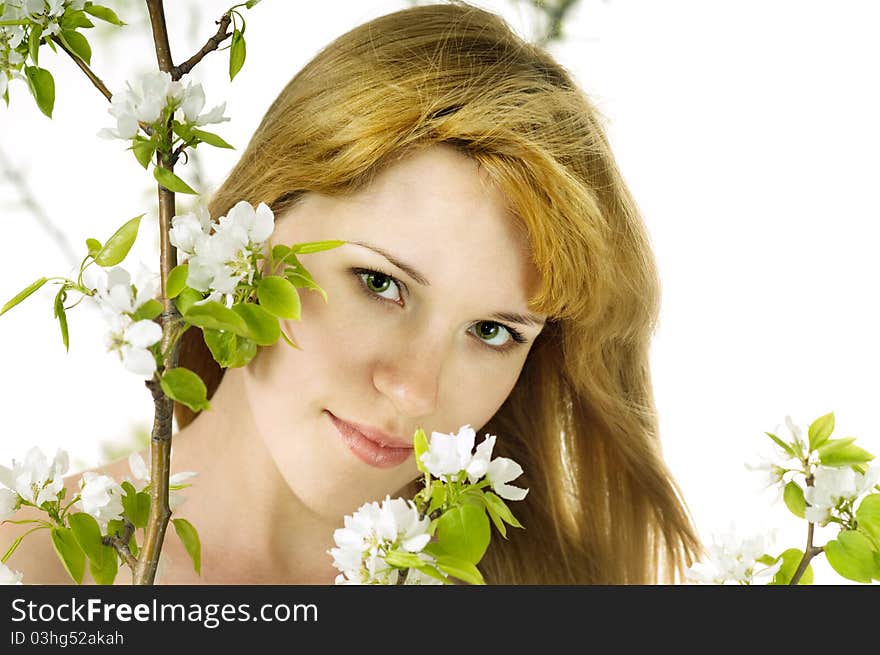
810, 551
85, 69
120, 543
212, 44
160, 35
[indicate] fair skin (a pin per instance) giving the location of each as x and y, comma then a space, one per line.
393, 349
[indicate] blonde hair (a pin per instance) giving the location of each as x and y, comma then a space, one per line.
602, 506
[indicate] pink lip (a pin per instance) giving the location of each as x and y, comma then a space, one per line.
373, 447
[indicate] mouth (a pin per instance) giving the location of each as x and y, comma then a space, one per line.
373, 449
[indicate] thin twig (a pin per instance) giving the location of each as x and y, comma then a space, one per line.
810, 551
212, 44
120, 543
85, 69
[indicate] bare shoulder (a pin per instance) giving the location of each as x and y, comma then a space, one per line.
35, 557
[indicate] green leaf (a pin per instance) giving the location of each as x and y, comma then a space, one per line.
176, 281
842, 452
136, 507
229, 349
42, 86
104, 570
11, 549
143, 150
404, 560
820, 430
851, 555
262, 326
185, 387
24, 293
190, 539
463, 532
794, 499
868, 515
88, 535
216, 316
210, 138
78, 44
237, 54
148, 311
279, 252
461, 569
250, 3
61, 315
438, 497
496, 505
182, 130
103, 13
69, 552
171, 182
420, 446
779, 442
279, 297
301, 281
94, 247
316, 246
187, 299
34, 42
791, 559
74, 18
117, 246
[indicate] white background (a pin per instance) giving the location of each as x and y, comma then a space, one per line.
747, 131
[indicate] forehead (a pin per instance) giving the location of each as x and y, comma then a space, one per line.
436, 210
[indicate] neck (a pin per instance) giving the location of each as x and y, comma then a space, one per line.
253, 528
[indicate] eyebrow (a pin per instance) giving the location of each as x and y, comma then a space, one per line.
511, 317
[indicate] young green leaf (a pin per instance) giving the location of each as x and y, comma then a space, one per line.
118, 245
460, 569
61, 315
794, 499
501, 508
42, 87
842, 452
24, 293
237, 54
94, 247
88, 535
216, 316
105, 569
78, 44
791, 559
34, 42
148, 311
250, 3
463, 532
404, 560
71, 555
190, 539
185, 387
851, 555
103, 13
176, 281
820, 430
171, 182
186, 299
316, 246
779, 442
301, 281
263, 327
868, 515
143, 150
210, 138
229, 349
136, 507
279, 297
74, 18
420, 447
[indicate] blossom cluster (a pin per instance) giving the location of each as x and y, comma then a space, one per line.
147, 99
222, 254
734, 560
835, 486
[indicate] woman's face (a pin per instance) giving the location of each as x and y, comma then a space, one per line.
419, 329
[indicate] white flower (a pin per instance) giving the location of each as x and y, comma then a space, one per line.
101, 497
228, 256
8, 503
144, 100
8, 576
502, 470
115, 292
132, 340
448, 454
834, 485
188, 230
141, 473
192, 104
371, 533
479, 464
732, 560
34, 479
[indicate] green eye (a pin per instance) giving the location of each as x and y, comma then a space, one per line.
377, 282
488, 331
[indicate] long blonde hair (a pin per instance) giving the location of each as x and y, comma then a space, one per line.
602, 506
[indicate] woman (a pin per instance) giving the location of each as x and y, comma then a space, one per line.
495, 273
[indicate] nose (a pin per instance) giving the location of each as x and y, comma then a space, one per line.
410, 378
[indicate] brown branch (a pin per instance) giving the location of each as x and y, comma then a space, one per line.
85, 69
212, 44
120, 543
810, 551
160, 34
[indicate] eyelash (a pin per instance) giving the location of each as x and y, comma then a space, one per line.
515, 336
